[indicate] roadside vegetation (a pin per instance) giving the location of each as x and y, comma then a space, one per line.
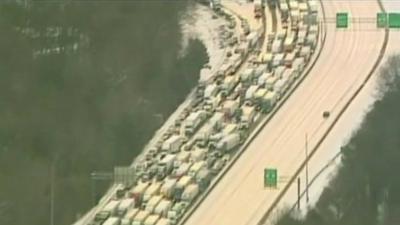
366, 189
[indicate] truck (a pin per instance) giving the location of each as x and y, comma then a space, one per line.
229, 84
101, 217
259, 95
258, 8
111, 207
163, 221
259, 70
294, 5
301, 37
203, 135
151, 220
313, 6
311, 40
163, 207
289, 58
236, 60
229, 129
298, 64
252, 38
278, 60
129, 216
181, 185
203, 178
212, 103
112, 221
250, 92
288, 45
295, 16
198, 154
279, 71
211, 90
313, 29
138, 191
176, 211
280, 35
268, 101
229, 107
290, 75
196, 167
125, 205
152, 203
284, 11
225, 69
269, 84
276, 46
153, 190
193, 121
263, 78
303, 7
166, 164
181, 157
182, 169
247, 75
248, 113
216, 121
168, 188
140, 217
280, 87
173, 144
190, 192
305, 52
229, 142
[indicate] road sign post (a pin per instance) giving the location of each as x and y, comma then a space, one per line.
381, 20
270, 177
342, 20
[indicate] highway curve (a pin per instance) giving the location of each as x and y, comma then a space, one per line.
347, 58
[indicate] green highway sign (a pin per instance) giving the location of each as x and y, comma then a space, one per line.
381, 20
270, 177
394, 20
342, 20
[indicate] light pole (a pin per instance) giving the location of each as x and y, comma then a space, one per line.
306, 150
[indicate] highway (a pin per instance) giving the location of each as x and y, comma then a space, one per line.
345, 61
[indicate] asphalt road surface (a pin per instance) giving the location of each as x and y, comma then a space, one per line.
348, 55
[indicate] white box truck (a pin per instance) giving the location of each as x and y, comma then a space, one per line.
173, 144
229, 142
193, 121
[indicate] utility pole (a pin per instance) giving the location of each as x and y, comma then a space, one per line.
298, 193
306, 149
52, 193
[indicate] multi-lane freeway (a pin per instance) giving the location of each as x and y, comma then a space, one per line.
346, 59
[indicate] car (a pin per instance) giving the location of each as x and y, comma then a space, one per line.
217, 166
326, 114
102, 216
